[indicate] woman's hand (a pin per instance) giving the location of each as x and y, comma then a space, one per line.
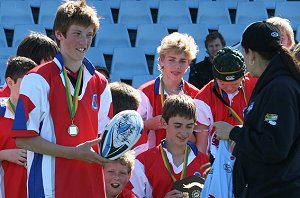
222, 130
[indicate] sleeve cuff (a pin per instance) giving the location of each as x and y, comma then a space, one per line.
234, 133
23, 133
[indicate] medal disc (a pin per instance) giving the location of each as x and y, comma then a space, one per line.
73, 130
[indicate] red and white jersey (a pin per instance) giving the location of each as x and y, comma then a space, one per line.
211, 109
151, 106
42, 110
150, 178
126, 193
13, 176
4, 93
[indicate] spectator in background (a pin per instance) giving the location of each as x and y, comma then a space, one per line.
225, 97
286, 30
267, 146
12, 158
62, 109
176, 52
36, 46
201, 73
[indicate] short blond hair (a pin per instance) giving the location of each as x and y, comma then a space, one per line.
180, 43
127, 160
284, 25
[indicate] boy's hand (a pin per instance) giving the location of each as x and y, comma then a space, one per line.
17, 156
85, 152
153, 123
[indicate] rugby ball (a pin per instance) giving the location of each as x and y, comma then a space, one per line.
122, 132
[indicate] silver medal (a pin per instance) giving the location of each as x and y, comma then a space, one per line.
73, 130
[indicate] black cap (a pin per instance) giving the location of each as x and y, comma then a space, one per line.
261, 36
228, 65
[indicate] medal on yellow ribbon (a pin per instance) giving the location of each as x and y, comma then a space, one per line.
73, 101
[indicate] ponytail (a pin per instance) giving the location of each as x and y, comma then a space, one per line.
290, 61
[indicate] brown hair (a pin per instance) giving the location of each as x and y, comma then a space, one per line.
37, 47
124, 97
18, 66
75, 12
212, 36
179, 105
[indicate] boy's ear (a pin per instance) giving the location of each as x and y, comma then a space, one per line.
163, 122
10, 82
58, 34
129, 175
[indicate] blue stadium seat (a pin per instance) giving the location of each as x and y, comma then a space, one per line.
133, 13
96, 56
138, 80
249, 12
103, 10
129, 62
173, 13
298, 33
47, 13
195, 3
15, 12
232, 32
231, 4
21, 31
289, 10
154, 3
2, 76
3, 41
5, 53
197, 31
201, 55
270, 4
213, 14
149, 37
115, 4
111, 36
35, 3
155, 70
186, 74
114, 78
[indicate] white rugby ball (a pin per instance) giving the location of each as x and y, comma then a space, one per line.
122, 132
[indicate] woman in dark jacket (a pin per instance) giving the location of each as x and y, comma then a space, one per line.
268, 144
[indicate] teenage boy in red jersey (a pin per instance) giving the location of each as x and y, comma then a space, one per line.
176, 158
63, 106
12, 158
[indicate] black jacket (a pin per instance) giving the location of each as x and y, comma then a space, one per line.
268, 145
201, 73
